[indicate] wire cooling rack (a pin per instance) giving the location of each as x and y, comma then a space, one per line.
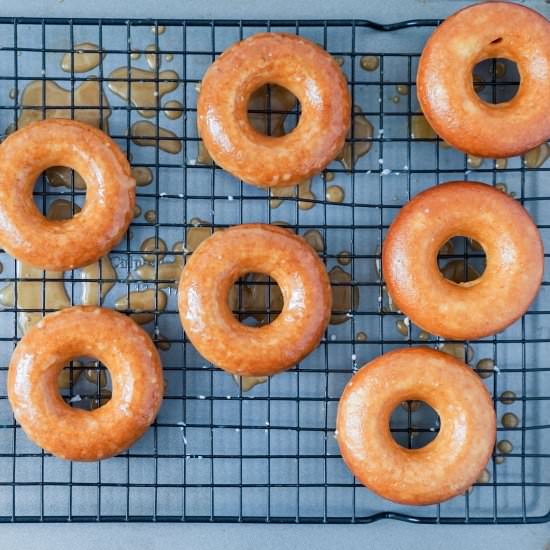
216, 452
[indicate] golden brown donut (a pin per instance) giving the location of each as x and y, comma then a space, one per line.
136, 375
254, 248
63, 244
446, 466
514, 260
298, 65
445, 86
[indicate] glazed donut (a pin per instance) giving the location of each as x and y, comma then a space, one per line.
445, 85
110, 195
446, 466
208, 321
301, 67
478, 308
136, 375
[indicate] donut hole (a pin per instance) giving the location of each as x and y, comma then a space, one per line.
255, 299
414, 424
273, 110
57, 205
496, 80
85, 383
461, 260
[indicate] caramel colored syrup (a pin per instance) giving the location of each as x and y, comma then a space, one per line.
345, 298
85, 58
142, 304
152, 57
302, 191
335, 194
420, 128
144, 133
362, 130
246, 383
173, 109
146, 94
143, 175
536, 157
315, 240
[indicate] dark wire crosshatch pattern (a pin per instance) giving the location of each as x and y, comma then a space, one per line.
216, 452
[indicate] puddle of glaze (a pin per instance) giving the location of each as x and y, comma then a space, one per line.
137, 211
146, 93
402, 89
454, 271
150, 216
369, 62
194, 235
158, 29
536, 157
203, 156
473, 161
335, 194
141, 304
501, 164
344, 257
169, 272
329, 176
86, 58
169, 57
153, 250
64, 378
315, 240
162, 343
92, 289
362, 130
402, 327
12, 94
88, 94
464, 353
173, 109
361, 336
152, 57
479, 83
420, 128
143, 175
144, 133
30, 293
302, 191
345, 298
96, 376
135, 55
246, 383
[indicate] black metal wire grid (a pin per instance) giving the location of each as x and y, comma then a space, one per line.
217, 453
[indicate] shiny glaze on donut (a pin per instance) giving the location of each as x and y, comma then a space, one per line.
110, 195
300, 66
514, 260
209, 323
445, 87
136, 374
446, 466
